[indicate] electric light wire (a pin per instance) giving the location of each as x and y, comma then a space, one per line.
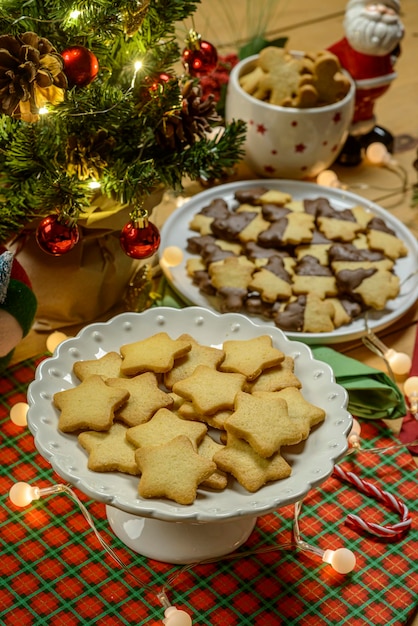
297, 542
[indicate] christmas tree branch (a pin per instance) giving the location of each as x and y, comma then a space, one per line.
134, 127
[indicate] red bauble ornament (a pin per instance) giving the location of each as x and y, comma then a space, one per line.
55, 236
152, 86
159, 81
80, 66
140, 238
200, 57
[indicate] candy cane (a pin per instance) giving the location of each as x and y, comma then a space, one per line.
391, 532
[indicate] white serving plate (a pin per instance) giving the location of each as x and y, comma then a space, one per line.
312, 461
176, 232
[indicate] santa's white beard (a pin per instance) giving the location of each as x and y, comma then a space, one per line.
370, 33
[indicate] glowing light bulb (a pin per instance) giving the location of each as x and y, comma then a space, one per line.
175, 617
75, 14
342, 560
172, 256
94, 184
328, 178
54, 340
399, 362
378, 154
411, 391
43, 110
22, 494
18, 413
137, 67
354, 435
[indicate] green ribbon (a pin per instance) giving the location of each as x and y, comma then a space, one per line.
371, 393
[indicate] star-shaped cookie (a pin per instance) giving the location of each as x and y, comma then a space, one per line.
263, 422
300, 409
109, 451
89, 406
164, 426
215, 420
172, 470
210, 391
250, 469
198, 355
276, 378
250, 356
144, 400
156, 354
207, 448
108, 366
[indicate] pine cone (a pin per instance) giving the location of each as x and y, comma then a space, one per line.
195, 118
88, 156
31, 74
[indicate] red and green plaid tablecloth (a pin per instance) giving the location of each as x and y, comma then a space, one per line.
53, 570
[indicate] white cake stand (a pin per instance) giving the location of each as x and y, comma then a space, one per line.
217, 523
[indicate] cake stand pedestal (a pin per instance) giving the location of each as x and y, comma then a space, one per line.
179, 542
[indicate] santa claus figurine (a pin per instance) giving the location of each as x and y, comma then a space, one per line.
17, 305
373, 32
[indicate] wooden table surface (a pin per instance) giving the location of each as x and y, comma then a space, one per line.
314, 25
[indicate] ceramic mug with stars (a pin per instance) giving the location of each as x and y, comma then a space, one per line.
288, 142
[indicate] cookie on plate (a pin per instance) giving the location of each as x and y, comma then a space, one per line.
198, 355
172, 470
263, 422
210, 391
145, 398
155, 354
109, 451
250, 469
163, 426
276, 378
218, 480
250, 357
89, 406
107, 366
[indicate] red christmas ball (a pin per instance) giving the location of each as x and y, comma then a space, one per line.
200, 59
80, 66
153, 85
159, 81
140, 240
55, 237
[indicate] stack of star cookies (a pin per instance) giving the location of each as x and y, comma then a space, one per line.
183, 416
